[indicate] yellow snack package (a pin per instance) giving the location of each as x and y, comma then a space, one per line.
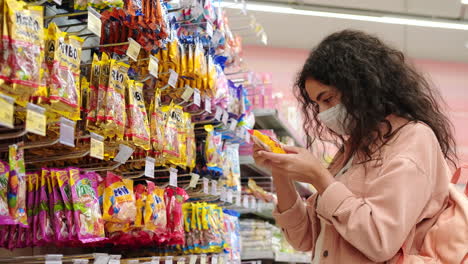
116, 116
92, 104
118, 200
182, 138
102, 90
155, 209
137, 117
140, 197
173, 115
212, 76
266, 142
157, 126
84, 95
22, 50
190, 144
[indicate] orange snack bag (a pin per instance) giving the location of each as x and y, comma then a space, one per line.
266, 142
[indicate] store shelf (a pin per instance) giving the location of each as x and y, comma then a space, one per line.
270, 119
249, 162
292, 257
246, 255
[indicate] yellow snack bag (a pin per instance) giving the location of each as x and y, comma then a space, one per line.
190, 144
140, 197
137, 117
266, 142
118, 200
102, 90
173, 115
182, 138
155, 209
92, 104
116, 116
157, 126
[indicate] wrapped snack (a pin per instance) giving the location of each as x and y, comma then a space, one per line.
182, 138
155, 210
174, 198
266, 142
23, 50
31, 181
119, 201
5, 217
63, 180
92, 103
137, 117
259, 192
190, 145
44, 233
17, 186
140, 201
59, 215
213, 149
104, 75
157, 126
173, 117
89, 224
115, 116
233, 176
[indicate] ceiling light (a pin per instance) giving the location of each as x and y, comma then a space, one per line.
283, 9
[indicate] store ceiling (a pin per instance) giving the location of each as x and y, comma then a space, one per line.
304, 32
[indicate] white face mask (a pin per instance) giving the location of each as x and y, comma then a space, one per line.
334, 119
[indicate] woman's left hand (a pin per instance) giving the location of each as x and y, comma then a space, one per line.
300, 165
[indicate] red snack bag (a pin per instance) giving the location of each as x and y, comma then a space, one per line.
31, 182
175, 197
63, 180
5, 217
59, 217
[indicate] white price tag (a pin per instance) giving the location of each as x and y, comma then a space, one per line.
245, 201
181, 261
173, 177
225, 117
209, 29
67, 132
173, 77
58, 2
238, 199
223, 194
203, 259
208, 104
187, 93
233, 124
206, 185
97, 146
214, 187
125, 152
134, 49
7, 111
169, 260
194, 180
193, 259
133, 261
247, 137
94, 22
114, 259
149, 167
53, 259
153, 66
229, 196
101, 258
218, 113
155, 260
253, 204
214, 259
36, 121
196, 97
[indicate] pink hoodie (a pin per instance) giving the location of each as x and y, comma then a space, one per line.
372, 211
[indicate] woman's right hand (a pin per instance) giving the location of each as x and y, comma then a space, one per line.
259, 160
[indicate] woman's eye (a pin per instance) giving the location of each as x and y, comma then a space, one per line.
328, 100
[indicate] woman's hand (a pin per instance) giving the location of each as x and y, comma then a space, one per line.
298, 164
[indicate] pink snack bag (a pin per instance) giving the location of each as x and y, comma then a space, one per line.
31, 181
88, 220
45, 233
5, 218
59, 217
63, 180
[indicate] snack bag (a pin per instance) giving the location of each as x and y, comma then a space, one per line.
92, 103
119, 201
59, 215
44, 233
155, 209
104, 75
174, 198
213, 149
191, 147
140, 201
89, 224
157, 126
31, 181
233, 176
5, 217
17, 186
116, 116
173, 116
137, 117
266, 142
63, 180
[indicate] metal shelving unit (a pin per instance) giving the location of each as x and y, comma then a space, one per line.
270, 119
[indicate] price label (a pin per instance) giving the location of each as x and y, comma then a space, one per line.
133, 49
97, 146
208, 104
194, 180
193, 259
187, 93
196, 97
222, 259
233, 124
101, 258
218, 113
244, 7
245, 201
133, 261
214, 259
7, 111
247, 137
168, 260
155, 260
173, 177
58, 2
223, 197
35, 119
53, 259
125, 152
203, 259
253, 203
173, 77
225, 117
94, 22
206, 185
114, 259
181, 261
209, 29
67, 132
214, 187
153, 66
238, 199
149, 167
229, 196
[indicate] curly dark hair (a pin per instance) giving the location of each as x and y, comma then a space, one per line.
375, 80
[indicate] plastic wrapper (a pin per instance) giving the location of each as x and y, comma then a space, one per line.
233, 173
89, 224
191, 148
31, 181
140, 202
174, 198
173, 116
17, 186
266, 142
63, 180
23, 50
45, 232
116, 116
137, 117
119, 200
213, 149
92, 104
60, 222
80, 4
157, 126
104, 75
155, 211
5, 217
259, 192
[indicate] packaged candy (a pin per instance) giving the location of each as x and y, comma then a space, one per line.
5, 217
92, 103
31, 182
44, 233
116, 116
173, 116
233, 176
155, 209
266, 142
157, 126
87, 212
213, 149
63, 180
17, 186
174, 198
190, 144
140, 201
59, 215
104, 75
137, 117
119, 201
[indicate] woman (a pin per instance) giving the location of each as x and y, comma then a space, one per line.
389, 181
